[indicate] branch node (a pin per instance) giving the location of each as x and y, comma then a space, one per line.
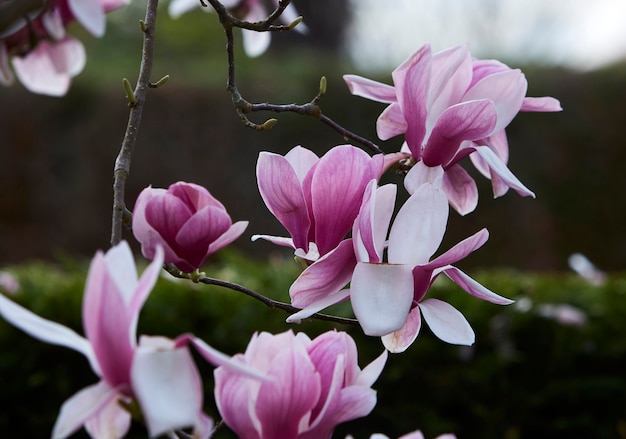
143, 26
160, 82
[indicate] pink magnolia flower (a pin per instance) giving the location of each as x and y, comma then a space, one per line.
43, 56
254, 43
449, 106
317, 385
186, 220
387, 296
315, 199
159, 373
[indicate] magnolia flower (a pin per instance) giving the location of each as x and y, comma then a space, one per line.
414, 435
317, 384
315, 199
43, 56
158, 373
186, 220
254, 43
449, 106
387, 296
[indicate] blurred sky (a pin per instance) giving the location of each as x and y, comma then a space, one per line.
579, 34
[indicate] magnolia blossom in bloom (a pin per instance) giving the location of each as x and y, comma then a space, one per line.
158, 373
254, 43
317, 384
387, 296
44, 58
186, 220
414, 435
315, 199
448, 106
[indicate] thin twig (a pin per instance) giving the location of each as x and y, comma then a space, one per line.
261, 298
242, 106
121, 215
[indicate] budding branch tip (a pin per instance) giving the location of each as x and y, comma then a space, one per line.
269, 123
160, 82
322, 85
130, 94
295, 22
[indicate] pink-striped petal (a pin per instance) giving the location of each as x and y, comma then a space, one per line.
301, 160
461, 190
371, 226
398, 341
542, 104
318, 305
230, 235
466, 121
111, 421
381, 296
451, 76
446, 322
391, 123
374, 90
500, 169
472, 287
460, 250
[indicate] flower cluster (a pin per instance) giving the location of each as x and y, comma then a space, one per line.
33, 39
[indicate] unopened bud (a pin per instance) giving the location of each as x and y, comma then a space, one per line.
322, 85
269, 123
295, 22
128, 90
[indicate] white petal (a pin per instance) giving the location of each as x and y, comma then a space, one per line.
446, 322
90, 14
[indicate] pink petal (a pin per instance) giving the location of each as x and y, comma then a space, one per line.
281, 191
474, 288
542, 104
450, 78
460, 251
419, 226
500, 169
371, 226
506, 90
142, 291
461, 190
194, 196
301, 160
420, 174
90, 14
318, 305
398, 341
234, 232
391, 123
412, 80
82, 406
168, 388
196, 235
372, 371
381, 296
235, 398
326, 276
369, 89
446, 322
111, 421
337, 189
467, 121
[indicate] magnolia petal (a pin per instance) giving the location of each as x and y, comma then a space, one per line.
53, 23
460, 250
278, 240
418, 228
318, 305
420, 174
356, 402
450, 77
499, 168
234, 232
381, 296
235, 397
90, 14
465, 121
461, 190
281, 191
112, 420
143, 289
324, 277
168, 388
337, 188
506, 90
176, 8
371, 225
199, 232
391, 123
255, 43
368, 89
301, 160
46, 330
119, 264
372, 371
398, 341
81, 406
542, 104
414, 435
474, 288
446, 322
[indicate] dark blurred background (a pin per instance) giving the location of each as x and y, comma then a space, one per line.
58, 154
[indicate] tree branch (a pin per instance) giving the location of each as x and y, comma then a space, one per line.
121, 215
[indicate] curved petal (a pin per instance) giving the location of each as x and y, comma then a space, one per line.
301, 160
466, 121
277, 240
459, 251
372, 371
500, 169
461, 190
419, 226
82, 406
446, 322
318, 305
168, 388
451, 76
326, 276
381, 296
542, 104
420, 174
234, 232
281, 191
474, 288
371, 226
235, 399
398, 341
196, 235
366, 88
90, 14
112, 420
391, 123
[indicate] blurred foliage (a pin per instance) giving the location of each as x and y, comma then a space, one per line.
527, 376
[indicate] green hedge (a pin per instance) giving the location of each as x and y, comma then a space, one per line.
527, 376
